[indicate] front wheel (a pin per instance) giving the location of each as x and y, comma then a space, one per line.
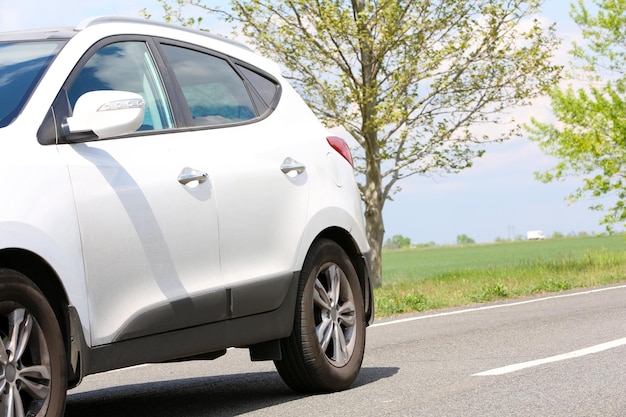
325, 350
33, 377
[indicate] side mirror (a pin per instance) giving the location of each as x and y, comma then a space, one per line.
105, 114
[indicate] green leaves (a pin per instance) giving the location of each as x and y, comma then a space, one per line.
590, 136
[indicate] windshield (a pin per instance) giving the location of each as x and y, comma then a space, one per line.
21, 66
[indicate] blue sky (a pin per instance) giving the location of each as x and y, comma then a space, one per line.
497, 197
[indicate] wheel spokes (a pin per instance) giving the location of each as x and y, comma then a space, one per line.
20, 326
35, 380
320, 297
4, 358
325, 332
4, 399
13, 406
334, 273
340, 354
346, 315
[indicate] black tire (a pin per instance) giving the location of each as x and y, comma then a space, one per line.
312, 363
33, 369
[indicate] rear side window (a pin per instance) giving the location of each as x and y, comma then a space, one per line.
213, 90
266, 89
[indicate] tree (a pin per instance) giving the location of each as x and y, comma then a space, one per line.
589, 138
464, 240
412, 81
398, 242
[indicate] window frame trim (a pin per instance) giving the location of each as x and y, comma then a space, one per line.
179, 108
233, 63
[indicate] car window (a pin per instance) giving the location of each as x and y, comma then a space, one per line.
21, 66
214, 92
266, 89
126, 66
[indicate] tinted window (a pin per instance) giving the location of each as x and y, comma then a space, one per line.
126, 66
266, 88
21, 67
213, 90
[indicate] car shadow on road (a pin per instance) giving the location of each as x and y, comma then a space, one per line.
215, 396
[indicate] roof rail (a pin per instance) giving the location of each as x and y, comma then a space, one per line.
95, 20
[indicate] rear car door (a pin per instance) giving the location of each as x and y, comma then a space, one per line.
258, 168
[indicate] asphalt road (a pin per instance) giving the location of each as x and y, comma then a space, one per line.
556, 355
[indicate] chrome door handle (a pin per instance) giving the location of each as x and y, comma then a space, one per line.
290, 165
188, 175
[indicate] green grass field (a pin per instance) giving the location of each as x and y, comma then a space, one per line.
430, 278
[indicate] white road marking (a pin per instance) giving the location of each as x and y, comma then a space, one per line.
141, 365
565, 356
491, 307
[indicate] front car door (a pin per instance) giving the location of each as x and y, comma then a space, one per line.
149, 230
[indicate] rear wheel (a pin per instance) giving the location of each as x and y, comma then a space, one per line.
325, 350
33, 377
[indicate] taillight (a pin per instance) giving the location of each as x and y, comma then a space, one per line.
341, 146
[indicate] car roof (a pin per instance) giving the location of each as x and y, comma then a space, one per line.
37, 34
97, 20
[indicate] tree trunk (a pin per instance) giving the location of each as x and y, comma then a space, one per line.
374, 227
369, 91
375, 234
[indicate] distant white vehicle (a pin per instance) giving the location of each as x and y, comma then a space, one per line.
535, 235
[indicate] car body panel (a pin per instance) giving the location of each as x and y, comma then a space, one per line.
148, 240
42, 221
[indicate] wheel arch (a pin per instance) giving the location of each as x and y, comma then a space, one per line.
37, 270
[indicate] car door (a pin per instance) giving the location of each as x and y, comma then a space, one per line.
258, 168
146, 208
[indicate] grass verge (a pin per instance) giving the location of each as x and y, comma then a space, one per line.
426, 279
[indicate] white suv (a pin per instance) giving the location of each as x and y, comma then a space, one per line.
166, 195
